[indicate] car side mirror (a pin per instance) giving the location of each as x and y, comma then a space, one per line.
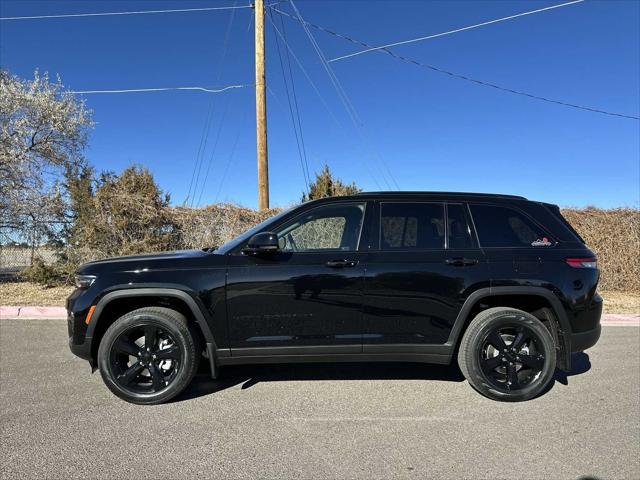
265, 242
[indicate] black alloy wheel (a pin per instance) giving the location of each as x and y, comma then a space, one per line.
507, 354
145, 359
511, 357
149, 355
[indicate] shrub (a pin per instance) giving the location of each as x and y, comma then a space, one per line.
40, 272
213, 225
614, 236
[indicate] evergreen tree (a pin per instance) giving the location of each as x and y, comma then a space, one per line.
326, 185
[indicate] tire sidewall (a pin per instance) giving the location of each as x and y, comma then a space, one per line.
478, 378
128, 321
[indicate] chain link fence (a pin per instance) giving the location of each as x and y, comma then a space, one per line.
20, 246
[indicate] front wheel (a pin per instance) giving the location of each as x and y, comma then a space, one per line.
507, 354
149, 355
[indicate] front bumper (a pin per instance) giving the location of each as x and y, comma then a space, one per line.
79, 344
82, 350
77, 309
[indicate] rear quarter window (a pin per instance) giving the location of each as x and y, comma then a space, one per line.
499, 226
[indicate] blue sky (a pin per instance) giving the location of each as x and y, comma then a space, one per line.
432, 132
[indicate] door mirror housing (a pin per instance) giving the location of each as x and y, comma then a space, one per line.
265, 242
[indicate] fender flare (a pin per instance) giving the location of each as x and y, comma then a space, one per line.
188, 299
556, 306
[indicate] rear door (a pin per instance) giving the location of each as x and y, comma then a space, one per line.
419, 272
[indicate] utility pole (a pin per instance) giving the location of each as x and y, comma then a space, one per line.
261, 109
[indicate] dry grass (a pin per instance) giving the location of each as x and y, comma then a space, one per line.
621, 302
33, 294
26, 293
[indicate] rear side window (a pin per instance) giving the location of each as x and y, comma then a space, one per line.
411, 225
506, 227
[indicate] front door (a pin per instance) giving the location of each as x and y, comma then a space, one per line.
419, 276
307, 297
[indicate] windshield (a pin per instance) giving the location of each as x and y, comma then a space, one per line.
244, 237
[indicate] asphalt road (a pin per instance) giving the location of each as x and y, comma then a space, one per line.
315, 421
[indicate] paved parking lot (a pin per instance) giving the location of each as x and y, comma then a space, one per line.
315, 421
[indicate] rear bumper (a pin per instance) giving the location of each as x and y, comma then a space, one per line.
583, 340
585, 325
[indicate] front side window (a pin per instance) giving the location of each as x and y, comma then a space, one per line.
411, 225
506, 227
331, 227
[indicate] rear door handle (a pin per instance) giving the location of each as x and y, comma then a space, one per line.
460, 262
341, 263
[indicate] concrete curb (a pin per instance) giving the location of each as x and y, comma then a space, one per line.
55, 313
33, 312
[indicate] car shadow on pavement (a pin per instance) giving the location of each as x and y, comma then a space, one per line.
250, 375
580, 364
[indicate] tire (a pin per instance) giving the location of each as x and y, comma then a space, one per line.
507, 354
144, 367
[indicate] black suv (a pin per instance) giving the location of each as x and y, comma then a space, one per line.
503, 284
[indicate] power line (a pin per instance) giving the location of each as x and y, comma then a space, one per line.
139, 12
296, 132
295, 100
460, 76
442, 34
231, 155
226, 107
205, 129
213, 152
162, 89
314, 86
342, 94
306, 74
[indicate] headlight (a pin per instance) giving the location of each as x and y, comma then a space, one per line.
84, 281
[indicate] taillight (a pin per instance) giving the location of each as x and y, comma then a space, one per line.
582, 262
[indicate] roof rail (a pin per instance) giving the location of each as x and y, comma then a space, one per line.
453, 194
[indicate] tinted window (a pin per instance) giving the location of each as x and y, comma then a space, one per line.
411, 225
506, 227
459, 232
332, 227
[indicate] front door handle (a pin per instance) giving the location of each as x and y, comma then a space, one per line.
342, 263
460, 262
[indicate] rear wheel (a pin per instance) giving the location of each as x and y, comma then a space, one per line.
149, 355
507, 354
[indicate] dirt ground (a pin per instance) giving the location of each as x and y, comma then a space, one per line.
25, 293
